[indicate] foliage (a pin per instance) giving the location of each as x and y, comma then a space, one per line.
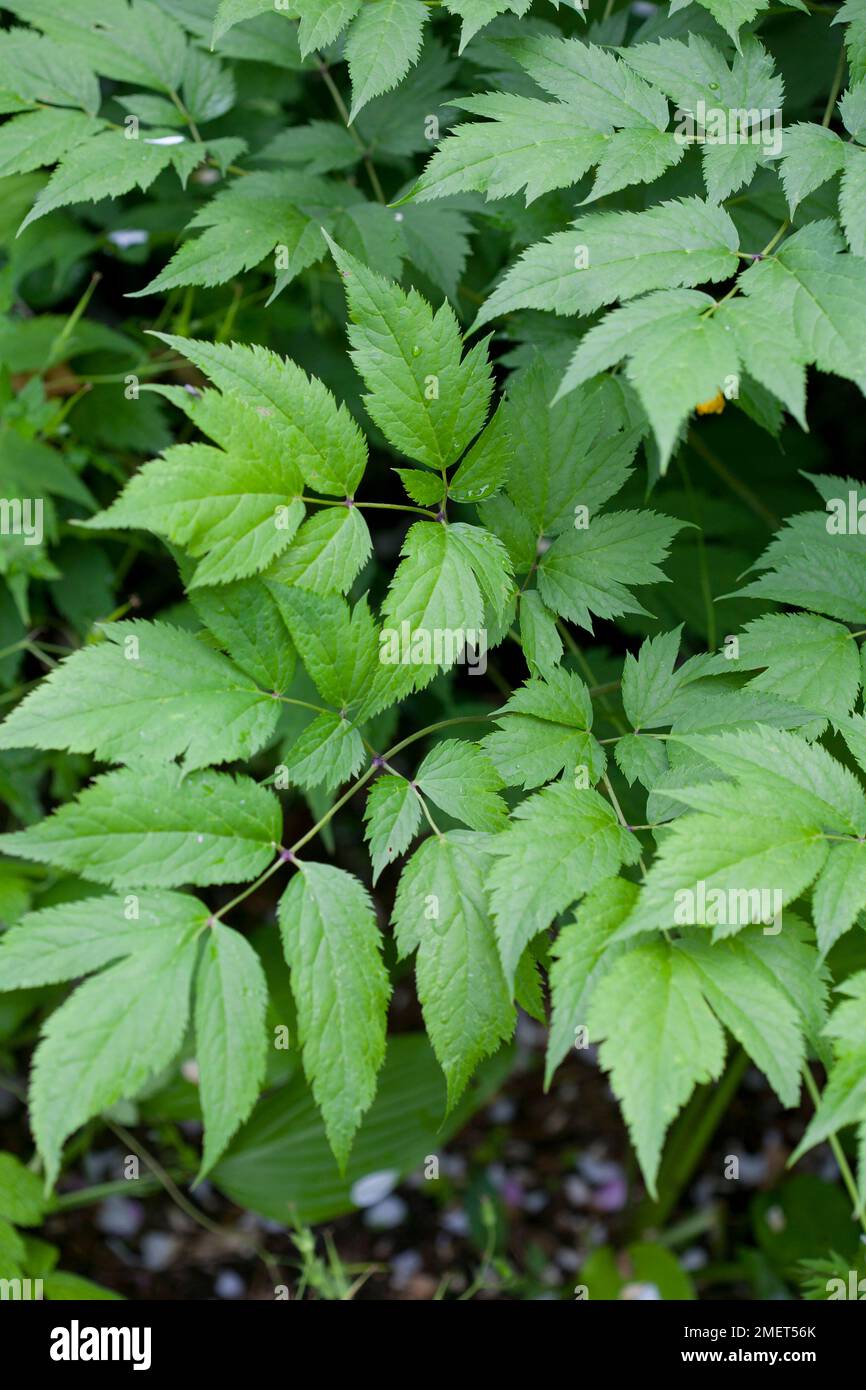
454, 630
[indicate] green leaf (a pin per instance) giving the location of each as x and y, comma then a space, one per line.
840, 893
41, 69
816, 293
609, 256
569, 458
148, 692
37, 138
811, 154
21, 1199
427, 401
583, 954
539, 637
592, 79
327, 753
742, 992
158, 828
382, 45
319, 436
230, 1002
333, 949
327, 554
103, 167
76, 938
322, 21
676, 326
240, 524
107, 1039
244, 619
476, 13
393, 815
578, 575
561, 842
526, 143
434, 591
544, 729
806, 659
441, 911
337, 644
660, 1040
463, 782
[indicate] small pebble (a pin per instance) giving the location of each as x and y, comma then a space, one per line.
374, 1187
158, 1249
386, 1215
120, 1216
229, 1284
404, 1267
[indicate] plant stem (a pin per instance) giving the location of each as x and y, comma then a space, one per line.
838, 1152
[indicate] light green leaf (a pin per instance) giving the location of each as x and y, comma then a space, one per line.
660, 1040
76, 938
743, 993
319, 436
333, 949
107, 1039
616, 255
148, 692
561, 842
544, 729
840, 893
393, 815
463, 782
158, 828
582, 955
382, 45
670, 326
426, 400
230, 1001
441, 910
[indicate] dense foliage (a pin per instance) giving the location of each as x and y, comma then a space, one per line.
399, 548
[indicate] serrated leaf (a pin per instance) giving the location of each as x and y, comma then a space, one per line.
679, 325
544, 729
840, 893
742, 992
319, 436
76, 938
615, 255
578, 575
583, 954
441, 911
660, 1040
333, 949
462, 781
107, 1039
149, 691
327, 554
426, 400
539, 637
561, 842
382, 45
158, 828
230, 1001
393, 815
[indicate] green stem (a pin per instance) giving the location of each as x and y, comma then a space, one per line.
838, 1152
